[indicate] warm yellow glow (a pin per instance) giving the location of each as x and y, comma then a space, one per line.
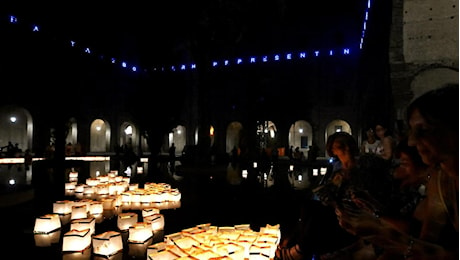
140, 232
47, 223
62, 207
76, 240
84, 223
211, 131
126, 220
107, 243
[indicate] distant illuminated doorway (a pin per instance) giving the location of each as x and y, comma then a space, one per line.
301, 135
16, 126
100, 136
233, 136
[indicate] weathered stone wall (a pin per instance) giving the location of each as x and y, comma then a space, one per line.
423, 48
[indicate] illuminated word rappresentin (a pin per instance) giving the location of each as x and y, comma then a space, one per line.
229, 62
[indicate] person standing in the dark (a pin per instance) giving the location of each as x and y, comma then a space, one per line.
172, 157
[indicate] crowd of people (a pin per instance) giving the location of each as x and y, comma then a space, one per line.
390, 198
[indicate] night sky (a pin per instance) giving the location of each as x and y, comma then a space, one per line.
158, 32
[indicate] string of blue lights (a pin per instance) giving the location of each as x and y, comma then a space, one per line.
250, 60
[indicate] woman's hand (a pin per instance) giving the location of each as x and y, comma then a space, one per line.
358, 220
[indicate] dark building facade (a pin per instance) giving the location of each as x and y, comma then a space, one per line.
276, 97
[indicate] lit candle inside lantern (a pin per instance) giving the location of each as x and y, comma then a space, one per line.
149, 211
140, 232
315, 172
62, 207
84, 223
157, 221
76, 240
107, 244
323, 170
79, 211
96, 208
126, 220
244, 173
47, 223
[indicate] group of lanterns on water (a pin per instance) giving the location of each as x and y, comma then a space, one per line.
113, 195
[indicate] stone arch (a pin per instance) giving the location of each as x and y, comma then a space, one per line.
16, 125
233, 135
99, 136
301, 135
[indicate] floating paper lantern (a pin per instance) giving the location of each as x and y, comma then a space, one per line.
174, 195
84, 223
62, 207
103, 189
76, 240
162, 251
79, 211
157, 221
103, 179
231, 249
96, 208
126, 220
92, 181
73, 176
47, 223
147, 211
140, 232
323, 170
70, 186
107, 244
257, 252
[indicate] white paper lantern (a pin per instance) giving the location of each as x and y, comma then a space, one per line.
62, 207
79, 211
157, 221
47, 223
96, 208
257, 252
140, 232
73, 176
70, 186
92, 181
107, 244
234, 250
174, 195
79, 188
76, 240
84, 223
126, 220
147, 211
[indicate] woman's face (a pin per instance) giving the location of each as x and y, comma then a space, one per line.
422, 135
339, 150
